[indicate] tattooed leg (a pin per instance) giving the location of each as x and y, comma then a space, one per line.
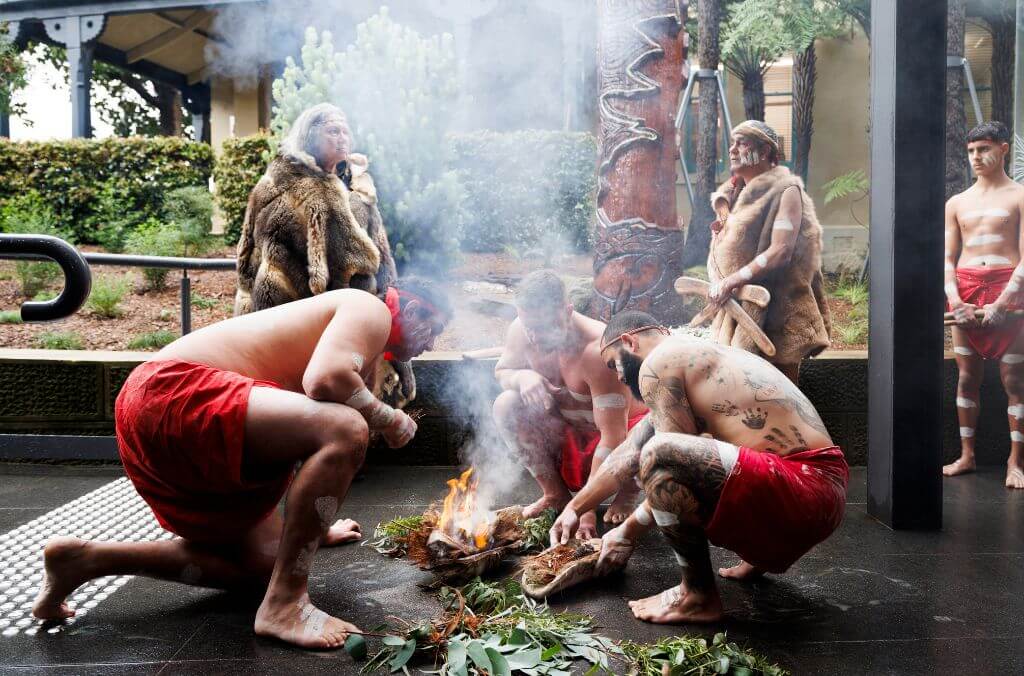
537, 440
683, 477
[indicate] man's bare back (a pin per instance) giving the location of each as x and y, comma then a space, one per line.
277, 344
695, 386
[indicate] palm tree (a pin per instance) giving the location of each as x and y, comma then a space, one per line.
956, 115
1001, 18
753, 38
698, 234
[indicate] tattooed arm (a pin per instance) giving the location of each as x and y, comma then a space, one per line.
610, 400
621, 466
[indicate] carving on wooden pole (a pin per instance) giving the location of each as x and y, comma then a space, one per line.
638, 241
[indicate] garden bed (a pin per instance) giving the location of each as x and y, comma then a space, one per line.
482, 292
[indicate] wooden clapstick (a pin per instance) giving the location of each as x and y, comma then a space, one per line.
948, 319
691, 286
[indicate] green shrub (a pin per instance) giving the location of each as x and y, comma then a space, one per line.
28, 213
526, 189
204, 302
45, 295
10, 317
115, 216
152, 341
154, 238
239, 167
71, 175
107, 294
855, 329
60, 341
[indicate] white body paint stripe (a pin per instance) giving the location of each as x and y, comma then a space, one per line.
729, 455
951, 289
745, 273
360, 399
1017, 411
679, 559
963, 402
664, 518
1011, 358
612, 400
989, 260
949, 266
642, 516
358, 360
579, 397
1013, 286
782, 224
982, 240
1016, 436
995, 212
967, 432
762, 260
963, 351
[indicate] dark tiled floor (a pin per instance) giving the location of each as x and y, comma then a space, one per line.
867, 601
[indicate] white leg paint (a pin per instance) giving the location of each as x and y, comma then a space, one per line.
966, 432
1011, 358
963, 351
1016, 436
964, 402
664, 518
1016, 411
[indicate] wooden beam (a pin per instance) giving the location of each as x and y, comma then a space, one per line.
167, 38
206, 33
198, 76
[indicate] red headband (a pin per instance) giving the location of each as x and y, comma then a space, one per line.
656, 327
391, 299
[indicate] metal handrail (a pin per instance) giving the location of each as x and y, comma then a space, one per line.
126, 260
77, 275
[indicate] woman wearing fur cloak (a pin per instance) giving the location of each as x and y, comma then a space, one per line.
767, 234
312, 225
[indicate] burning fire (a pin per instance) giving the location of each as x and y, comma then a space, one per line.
460, 517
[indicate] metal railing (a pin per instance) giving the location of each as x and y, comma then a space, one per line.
75, 264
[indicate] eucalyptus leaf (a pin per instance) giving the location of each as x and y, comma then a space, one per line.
478, 654
551, 652
524, 659
355, 646
456, 656
499, 665
403, 656
393, 641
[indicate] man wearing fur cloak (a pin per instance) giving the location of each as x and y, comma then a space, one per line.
767, 234
312, 225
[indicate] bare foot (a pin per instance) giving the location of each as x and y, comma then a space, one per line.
65, 568
302, 624
343, 530
556, 503
961, 465
1014, 477
622, 506
675, 605
588, 526
741, 571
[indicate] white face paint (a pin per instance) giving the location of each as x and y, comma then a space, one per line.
782, 224
982, 240
664, 518
762, 260
1017, 411
963, 402
981, 213
963, 351
1016, 436
1010, 358
988, 261
966, 432
612, 400
746, 274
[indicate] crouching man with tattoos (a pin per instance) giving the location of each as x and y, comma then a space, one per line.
985, 271
769, 485
210, 431
561, 411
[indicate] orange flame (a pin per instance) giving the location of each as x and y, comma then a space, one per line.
459, 517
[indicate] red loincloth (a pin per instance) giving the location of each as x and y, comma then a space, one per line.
578, 451
774, 509
180, 432
981, 287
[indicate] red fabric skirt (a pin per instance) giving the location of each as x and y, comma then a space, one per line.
578, 452
181, 432
774, 509
981, 287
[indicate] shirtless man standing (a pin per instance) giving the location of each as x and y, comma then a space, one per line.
210, 430
561, 410
769, 485
985, 270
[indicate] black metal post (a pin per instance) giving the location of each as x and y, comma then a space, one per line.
186, 303
908, 71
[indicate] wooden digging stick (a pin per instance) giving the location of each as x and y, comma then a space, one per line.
948, 319
691, 286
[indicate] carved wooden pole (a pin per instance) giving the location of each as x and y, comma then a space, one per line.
642, 52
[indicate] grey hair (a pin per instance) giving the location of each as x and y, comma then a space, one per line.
300, 141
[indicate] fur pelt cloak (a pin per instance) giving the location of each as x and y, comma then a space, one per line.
797, 319
307, 231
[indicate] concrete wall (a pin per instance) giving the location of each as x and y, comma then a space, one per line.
73, 393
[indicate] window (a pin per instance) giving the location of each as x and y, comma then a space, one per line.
978, 50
